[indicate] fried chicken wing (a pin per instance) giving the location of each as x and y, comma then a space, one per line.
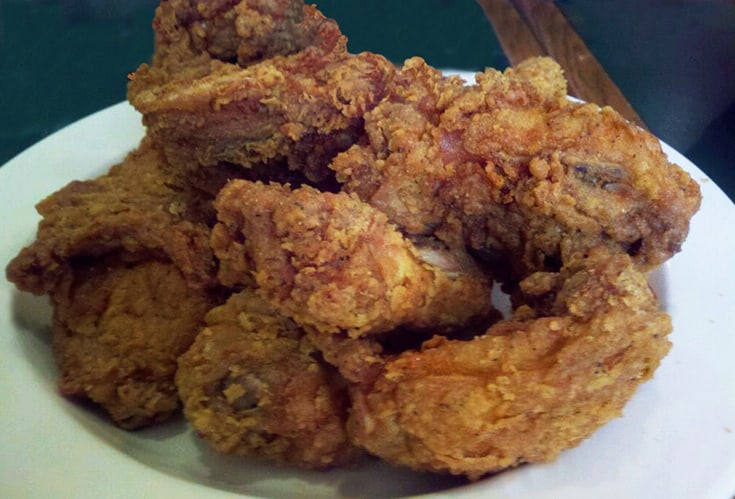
253, 385
334, 263
530, 387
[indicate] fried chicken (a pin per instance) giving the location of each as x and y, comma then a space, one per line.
530, 387
303, 109
134, 208
192, 37
512, 169
333, 263
119, 325
253, 385
300, 101
356, 214
126, 260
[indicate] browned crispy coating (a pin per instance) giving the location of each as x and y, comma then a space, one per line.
126, 260
118, 328
512, 169
253, 385
192, 36
300, 100
364, 210
303, 108
530, 387
331, 262
233, 31
134, 208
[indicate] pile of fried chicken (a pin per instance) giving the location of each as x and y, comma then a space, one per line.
302, 250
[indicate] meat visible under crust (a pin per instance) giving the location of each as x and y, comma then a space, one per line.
333, 263
253, 385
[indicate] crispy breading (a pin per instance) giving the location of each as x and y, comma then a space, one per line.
331, 262
357, 214
119, 325
512, 169
303, 108
253, 385
134, 208
530, 387
251, 101
126, 260
192, 37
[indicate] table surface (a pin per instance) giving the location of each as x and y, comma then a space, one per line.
674, 60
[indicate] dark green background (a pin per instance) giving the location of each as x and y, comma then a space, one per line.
61, 60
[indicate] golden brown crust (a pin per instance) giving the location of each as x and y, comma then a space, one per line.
126, 260
514, 170
276, 84
333, 263
363, 209
134, 208
118, 329
253, 385
528, 388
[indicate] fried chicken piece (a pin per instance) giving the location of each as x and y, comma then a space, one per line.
331, 262
126, 260
134, 208
532, 386
192, 37
253, 385
118, 329
250, 101
304, 109
511, 168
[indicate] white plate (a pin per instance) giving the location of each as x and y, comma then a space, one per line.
676, 439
